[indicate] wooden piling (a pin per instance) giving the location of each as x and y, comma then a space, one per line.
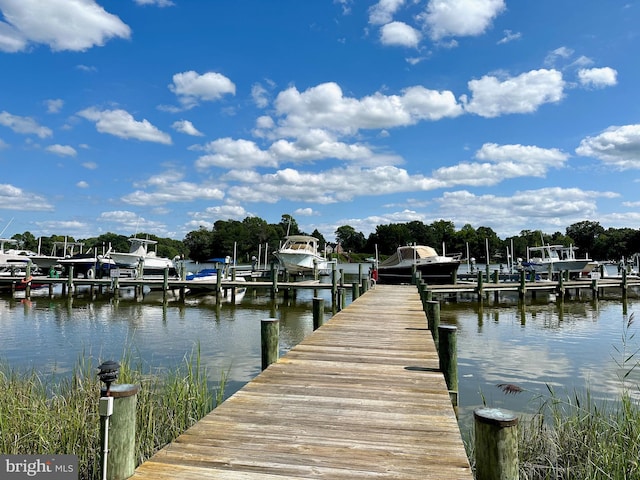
121, 459
355, 290
448, 357
496, 444
270, 341
318, 312
433, 318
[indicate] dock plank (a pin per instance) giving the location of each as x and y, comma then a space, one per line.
361, 397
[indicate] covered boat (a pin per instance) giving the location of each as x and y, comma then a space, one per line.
434, 268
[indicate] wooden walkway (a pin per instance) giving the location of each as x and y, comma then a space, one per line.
359, 398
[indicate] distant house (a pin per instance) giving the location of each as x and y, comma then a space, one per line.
333, 248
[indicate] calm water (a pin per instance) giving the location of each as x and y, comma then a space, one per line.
567, 345
49, 335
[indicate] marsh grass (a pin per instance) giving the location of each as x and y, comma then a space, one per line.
578, 437
39, 415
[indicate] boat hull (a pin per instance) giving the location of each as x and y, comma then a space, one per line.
573, 266
300, 264
435, 273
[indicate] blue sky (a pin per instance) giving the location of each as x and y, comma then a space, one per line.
163, 116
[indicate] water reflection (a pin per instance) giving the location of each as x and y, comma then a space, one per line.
568, 345
51, 334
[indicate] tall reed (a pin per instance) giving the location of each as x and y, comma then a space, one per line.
39, 415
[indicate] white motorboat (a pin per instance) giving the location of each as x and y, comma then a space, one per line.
433, 268
552, 259
146, 262
14, 257
299, 255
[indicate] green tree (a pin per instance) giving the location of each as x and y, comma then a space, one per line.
350, 239
26, 241
585, 235
289, 225
198, 244
322, 243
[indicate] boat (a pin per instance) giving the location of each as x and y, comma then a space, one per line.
299, 255
433, 268
205, 280
552, 259
12, 256
142, 262
88, 264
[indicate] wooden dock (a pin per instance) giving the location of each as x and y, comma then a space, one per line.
361, 397
561, 287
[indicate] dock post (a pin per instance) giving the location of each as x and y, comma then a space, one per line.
496, 444
433, 318
165, 284
121, 425
480, 286
334, 286
448, 357
560, 288
274, 280
27, 279
523, 284
70, 280
355, 290
594, 288
270, 341
116, 286
318, 312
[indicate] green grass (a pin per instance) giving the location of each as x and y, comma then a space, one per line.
39, 416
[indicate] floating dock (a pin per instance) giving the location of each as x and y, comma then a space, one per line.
361, 397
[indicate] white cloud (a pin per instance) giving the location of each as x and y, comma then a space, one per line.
330, 186
618, 146
559, 53
62, 150
168, 187
493, 96
235, 154
14, 198
383, 11
260, 95
54, 105
509, 36
324, 106
191, 87
454, 18
82, 184
399, 34
502, 162
598, 77
75, 25
304, 212
185, 126
24, 125
211, 214
546, 208
159, 3
129, 221
122, 124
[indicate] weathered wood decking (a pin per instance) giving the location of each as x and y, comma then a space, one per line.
361, 397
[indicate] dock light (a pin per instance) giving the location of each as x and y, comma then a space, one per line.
108, 373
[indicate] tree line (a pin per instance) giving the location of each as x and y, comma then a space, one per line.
248, 237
